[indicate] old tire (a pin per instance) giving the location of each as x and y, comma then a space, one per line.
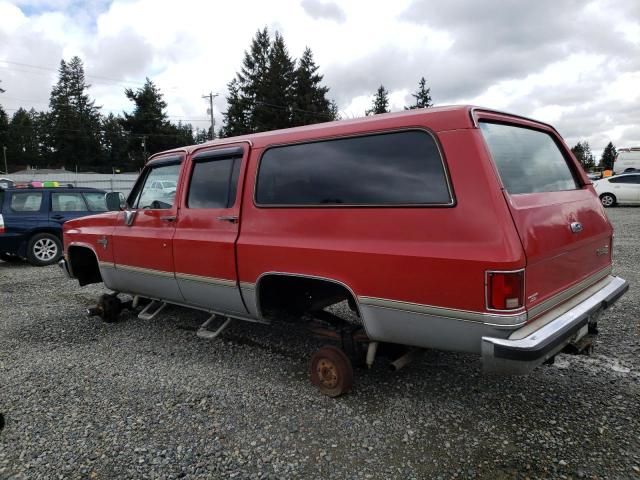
608, 200
44, 249
331, 371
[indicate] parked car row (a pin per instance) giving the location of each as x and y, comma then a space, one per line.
31, 220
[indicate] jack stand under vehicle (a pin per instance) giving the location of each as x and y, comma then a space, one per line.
109, 307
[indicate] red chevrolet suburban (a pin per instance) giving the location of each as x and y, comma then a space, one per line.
452, 228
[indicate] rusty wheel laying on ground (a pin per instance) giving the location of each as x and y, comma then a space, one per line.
331, 371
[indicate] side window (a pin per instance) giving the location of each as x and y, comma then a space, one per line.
154, 198
96, 201
26, 202
398, 168
67, 202
214, 183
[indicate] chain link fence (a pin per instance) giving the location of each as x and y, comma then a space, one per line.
122, 182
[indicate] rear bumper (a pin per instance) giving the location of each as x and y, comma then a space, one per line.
520, 355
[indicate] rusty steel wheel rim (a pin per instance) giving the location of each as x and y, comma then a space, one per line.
327, 373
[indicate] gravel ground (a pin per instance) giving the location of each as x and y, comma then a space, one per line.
148, 399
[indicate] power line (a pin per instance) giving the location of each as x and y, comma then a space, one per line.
98, 77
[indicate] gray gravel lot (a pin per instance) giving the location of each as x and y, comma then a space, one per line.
148, 399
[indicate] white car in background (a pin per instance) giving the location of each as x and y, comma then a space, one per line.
619, 189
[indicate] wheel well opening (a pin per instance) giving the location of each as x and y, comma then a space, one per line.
84, 265
291, 296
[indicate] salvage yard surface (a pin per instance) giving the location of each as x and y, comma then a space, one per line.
148, 399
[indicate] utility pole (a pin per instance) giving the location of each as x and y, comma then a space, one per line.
211, 96
4, 154
144, 147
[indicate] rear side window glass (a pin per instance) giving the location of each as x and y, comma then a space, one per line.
214, 183
26, 202
528, 161
96, 201
400, 168
67, 202
626, 179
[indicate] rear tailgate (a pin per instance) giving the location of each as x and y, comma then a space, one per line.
562, 226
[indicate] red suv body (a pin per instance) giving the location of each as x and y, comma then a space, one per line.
453, 228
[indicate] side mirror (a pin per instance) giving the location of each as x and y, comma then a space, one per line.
114, 201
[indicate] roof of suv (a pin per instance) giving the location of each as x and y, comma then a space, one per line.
61, 189
438, 119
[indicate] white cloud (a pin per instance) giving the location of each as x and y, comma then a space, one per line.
578, 68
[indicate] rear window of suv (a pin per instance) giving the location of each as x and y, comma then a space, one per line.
398, 168
528, 161
26, 202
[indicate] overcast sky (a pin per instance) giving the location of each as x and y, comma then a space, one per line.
573, 63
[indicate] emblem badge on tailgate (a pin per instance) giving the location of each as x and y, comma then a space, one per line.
604, 250
576, 227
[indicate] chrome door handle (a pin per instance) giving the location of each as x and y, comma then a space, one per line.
228, 218
168, 218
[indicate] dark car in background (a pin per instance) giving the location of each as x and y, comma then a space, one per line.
31, 220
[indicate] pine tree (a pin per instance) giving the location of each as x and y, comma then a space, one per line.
310, 97
22, 139
252, 81
422, 96
274, 103
582, 152
380, 102
148, 124
237, 117
74, 119
608, 156
270, 92
114, 142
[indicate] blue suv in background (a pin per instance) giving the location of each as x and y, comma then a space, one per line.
31, 220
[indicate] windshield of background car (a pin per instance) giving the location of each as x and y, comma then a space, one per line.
528, 161
155, 198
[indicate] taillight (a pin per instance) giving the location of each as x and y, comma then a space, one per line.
505, 290
1, 224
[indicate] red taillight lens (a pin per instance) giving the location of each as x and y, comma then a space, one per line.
505, 290
1, 224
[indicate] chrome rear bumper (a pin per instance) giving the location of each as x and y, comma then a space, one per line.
519, 355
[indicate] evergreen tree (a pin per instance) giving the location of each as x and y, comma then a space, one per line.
22, 140
252, 82
270, 92
201, 135
310, 102
582, 152
115, 142
274, 102
380, 102
422, 96
608, 156
237, 116
148, 125
74, 120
